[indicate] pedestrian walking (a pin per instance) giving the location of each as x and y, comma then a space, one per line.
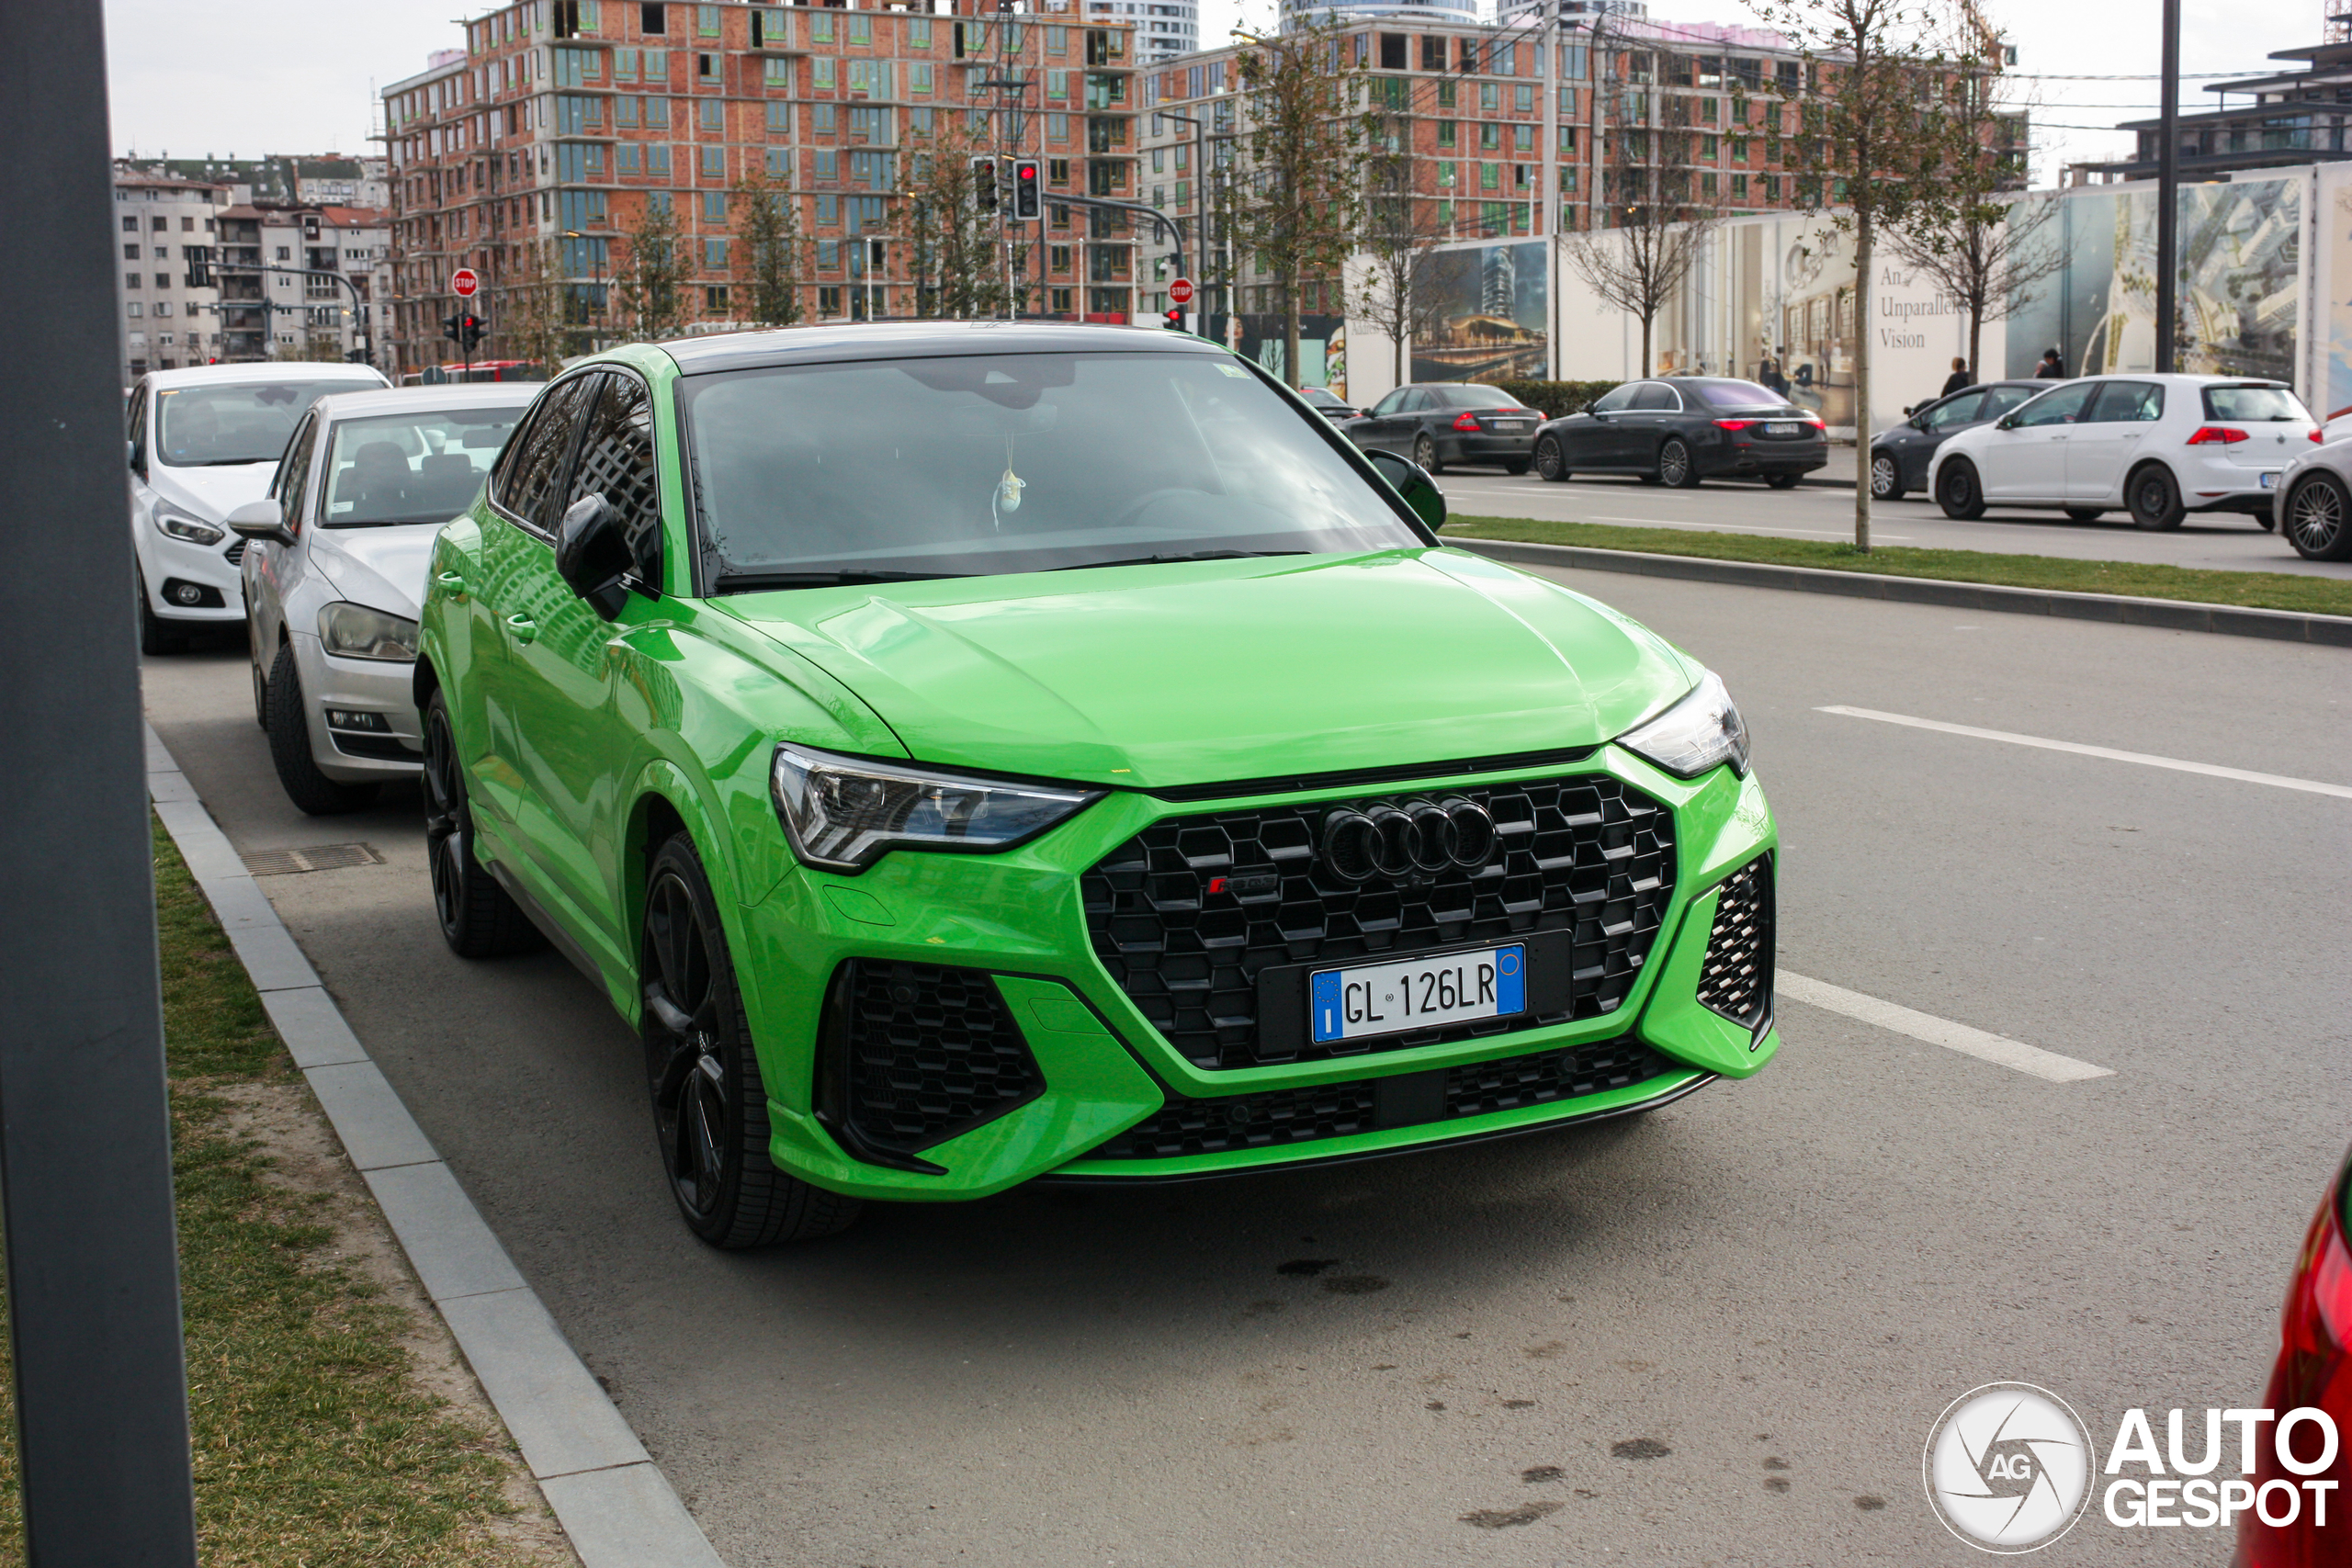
1959, 381
2052, 366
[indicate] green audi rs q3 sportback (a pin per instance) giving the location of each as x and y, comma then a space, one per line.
973, 753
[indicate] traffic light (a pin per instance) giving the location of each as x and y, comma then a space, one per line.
1024, 188
984, 185
450, 328
472, 330
1174, 319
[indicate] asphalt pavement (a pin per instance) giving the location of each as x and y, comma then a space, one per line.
1718, 1334
2222, 541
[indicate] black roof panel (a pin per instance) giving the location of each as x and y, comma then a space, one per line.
916, 339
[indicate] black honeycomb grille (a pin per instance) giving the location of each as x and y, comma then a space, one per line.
1279, 1118
1586, 853
1735, 979
932, 1052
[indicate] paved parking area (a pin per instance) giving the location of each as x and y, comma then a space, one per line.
1717, 1334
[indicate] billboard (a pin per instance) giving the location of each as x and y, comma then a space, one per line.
1490, 304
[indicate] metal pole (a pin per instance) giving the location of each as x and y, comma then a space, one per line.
86, 1162
2168, 194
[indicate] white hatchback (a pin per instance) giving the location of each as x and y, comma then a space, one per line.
2157, 447
334, 576
203, 442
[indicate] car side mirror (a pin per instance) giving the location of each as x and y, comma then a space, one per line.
2007, 422
261, 520
1412, 482
592, 554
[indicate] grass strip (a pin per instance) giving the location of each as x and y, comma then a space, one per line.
313, 1442
2253, 590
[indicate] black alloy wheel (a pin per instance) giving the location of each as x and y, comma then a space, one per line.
1550, 461
1782, 482
2156, 498
1958, 492
1886, 477
479, 919
1425, 454
2087, 513
1675, 468
711, 1114
2319, 520
289, 723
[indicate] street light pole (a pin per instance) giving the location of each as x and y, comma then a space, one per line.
2167, 192
1200, 202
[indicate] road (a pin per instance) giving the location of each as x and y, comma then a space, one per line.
2226, 541
1770, 1289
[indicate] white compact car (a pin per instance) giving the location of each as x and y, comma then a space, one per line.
2157, 447
203, 442
334, 576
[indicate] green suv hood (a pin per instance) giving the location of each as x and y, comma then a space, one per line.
1198, 672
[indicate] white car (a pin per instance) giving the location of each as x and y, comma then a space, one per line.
2157, 447
334, 576
203, 442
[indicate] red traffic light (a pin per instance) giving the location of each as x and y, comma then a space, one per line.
1172, 320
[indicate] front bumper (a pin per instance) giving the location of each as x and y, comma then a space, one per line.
172, 566
1111, 1099
362, 714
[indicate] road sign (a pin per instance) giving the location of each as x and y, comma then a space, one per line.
464, 282
1181, 291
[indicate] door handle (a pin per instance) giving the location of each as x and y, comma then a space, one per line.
452, 583
522, 627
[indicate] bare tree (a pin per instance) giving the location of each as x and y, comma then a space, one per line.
533, 305
1401, 237
768, 249
1656, 231
1882, 134
958, 248
651, 276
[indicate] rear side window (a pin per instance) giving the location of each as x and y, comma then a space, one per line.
2253, 405
1738, 395
616, 462
534, 459
1614, 399
1656, 395
2128, 402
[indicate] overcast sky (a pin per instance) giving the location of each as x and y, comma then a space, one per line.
299, 76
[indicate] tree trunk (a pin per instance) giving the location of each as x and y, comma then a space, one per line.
1975, 332
1398, 343
1862, 238
1290, 328
1646, 319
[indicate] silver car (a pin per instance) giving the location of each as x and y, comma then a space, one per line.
333, 576
2314, 500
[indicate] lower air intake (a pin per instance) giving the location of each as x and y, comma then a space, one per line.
927, 1051
1735, 979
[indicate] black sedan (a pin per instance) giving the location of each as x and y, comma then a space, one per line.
1329, 404
1436, 422
1899, 456
1677, 430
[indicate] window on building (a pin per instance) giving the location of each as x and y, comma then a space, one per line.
861, 29
627, 159
820, 28
134, 309
829, 210
714, 206
625, 112
713, 162
828, 300
829, 164
1522, 99
780, 161
131, 252
919, 122
714, 256
829, 256
712, 115
1490, 136
919, 78
919, 32
657, 113
284, 253
822, 75
1057, 127
657, 160
707, 21
1057, 173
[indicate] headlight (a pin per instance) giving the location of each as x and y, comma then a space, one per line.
181, 525
845, 813
354, 631
1701, 731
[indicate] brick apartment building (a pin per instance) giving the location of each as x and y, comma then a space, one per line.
562, 119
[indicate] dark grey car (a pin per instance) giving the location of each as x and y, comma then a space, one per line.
1899, 456
1436, 422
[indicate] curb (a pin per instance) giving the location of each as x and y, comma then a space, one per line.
615, 1507
2172, 614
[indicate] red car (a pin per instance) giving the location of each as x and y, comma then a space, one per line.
2314, 1369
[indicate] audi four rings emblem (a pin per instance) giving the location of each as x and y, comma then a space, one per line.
1419, 836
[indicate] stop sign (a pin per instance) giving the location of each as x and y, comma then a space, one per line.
1181, 291
464, 282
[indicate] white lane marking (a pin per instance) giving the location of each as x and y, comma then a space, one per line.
2276, 781
1943, 1032
1727, 528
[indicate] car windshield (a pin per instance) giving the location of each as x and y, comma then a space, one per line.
1472, 398
1021, 462
203, 427
2253, 405
1738, 395
424, 467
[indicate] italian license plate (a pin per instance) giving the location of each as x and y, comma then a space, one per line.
1417, 993
2271, 481
1780, 427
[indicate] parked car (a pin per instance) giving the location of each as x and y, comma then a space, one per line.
1899, 456
948, 814
1678, 430
1329, 404
333, 574
203, 442
2312, 502
2314, 1371
2158, 446
1438, 423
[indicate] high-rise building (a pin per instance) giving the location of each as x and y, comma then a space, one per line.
167, 314
1295, 14
559, 126
1164, 29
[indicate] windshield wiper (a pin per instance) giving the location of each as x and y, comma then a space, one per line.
753, 581
1165, 560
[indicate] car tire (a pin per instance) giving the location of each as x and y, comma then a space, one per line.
1886, 477
1958, 491
1676, 470
1782, 482
2087, 513
2319, 519
1425, 454
311, 791
710, 1110
1550, 461
157, 635
478, 919
1519, 466
2155, 498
